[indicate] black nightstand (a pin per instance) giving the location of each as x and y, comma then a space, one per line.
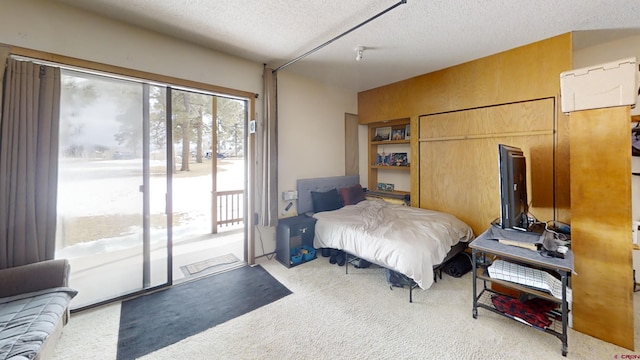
291, 233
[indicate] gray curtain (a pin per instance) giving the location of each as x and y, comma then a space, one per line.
28, 162
267, 147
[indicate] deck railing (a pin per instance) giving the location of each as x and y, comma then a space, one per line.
228, 208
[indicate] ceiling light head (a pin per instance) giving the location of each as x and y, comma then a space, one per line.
359, 51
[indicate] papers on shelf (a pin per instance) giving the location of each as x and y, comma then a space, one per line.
523, 275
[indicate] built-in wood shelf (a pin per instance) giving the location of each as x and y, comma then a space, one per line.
393, 194
391, 167
389, 142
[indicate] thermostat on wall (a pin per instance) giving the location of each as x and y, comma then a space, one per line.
252, 127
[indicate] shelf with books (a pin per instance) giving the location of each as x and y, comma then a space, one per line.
389, 152
389, 142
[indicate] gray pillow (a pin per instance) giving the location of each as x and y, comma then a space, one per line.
326, 201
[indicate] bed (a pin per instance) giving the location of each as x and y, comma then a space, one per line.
408, 240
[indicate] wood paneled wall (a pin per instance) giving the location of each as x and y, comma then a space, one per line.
601, 224
526, 73
462, 147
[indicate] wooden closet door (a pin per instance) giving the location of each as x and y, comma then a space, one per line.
459, 159
600, 170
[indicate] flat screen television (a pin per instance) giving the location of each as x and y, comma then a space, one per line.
514, 207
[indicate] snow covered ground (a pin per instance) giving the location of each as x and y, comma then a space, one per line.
105, 188
106, 196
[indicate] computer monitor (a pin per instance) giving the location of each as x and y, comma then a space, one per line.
514, 207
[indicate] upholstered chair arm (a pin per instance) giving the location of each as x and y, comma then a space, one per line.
33, 277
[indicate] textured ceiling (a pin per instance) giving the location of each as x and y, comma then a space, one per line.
414, 38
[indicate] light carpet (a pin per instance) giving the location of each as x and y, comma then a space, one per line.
331, 315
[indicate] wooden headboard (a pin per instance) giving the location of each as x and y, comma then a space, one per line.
306, 186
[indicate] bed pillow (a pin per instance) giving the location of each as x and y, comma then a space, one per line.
326, 201
352, 195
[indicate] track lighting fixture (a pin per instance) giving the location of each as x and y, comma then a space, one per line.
359, 52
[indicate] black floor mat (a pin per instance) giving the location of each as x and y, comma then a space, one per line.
153, 321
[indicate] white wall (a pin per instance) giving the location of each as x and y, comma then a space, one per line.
608, 52
311, 136
311, 127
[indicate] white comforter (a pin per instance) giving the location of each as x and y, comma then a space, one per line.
405, 239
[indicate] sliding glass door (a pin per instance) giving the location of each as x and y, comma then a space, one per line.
147, 177
112, 223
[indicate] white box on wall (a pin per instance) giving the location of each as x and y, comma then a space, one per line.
605, 85
289, 195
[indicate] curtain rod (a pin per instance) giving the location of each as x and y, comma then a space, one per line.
116, 76
338, 37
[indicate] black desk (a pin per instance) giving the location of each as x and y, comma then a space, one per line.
483, 246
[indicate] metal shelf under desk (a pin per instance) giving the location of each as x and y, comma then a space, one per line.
485, 245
